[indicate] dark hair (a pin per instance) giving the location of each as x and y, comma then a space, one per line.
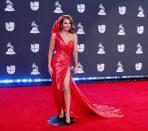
72, 30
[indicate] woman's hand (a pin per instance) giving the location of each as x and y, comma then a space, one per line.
75, 69
50, 70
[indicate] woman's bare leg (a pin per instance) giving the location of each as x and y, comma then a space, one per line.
61, 115
67, 95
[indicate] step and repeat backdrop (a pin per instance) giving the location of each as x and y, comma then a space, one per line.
112, 34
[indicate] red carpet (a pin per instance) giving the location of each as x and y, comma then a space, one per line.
28, 108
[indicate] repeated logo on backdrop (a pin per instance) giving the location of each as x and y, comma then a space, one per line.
121, 32
82, 30
10, 27
9, 6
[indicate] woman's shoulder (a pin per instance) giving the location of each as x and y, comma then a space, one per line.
75, 35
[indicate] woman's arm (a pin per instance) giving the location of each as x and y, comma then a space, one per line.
75, 53
51, 51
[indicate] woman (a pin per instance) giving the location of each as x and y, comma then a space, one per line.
63, 44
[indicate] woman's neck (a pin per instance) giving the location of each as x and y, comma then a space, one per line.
64, 32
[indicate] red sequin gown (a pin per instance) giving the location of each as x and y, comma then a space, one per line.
60, 63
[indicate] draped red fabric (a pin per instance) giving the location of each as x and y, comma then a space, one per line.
61, 61
56, 26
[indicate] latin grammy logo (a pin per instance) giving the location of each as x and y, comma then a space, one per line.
58, 7
35, 70
140, 29
81, 8
120, 47
101, 49
10, 50
80, 68
34, 29
80, 29
80, 47
10, 26
101, 28
138, 66
141, 12
35, 48
119, 67
11, 69
122, 10
139, 49
9, 6
102, 10
101, 67
121, 30
34, 5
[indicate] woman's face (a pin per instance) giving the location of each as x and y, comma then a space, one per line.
66, 26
